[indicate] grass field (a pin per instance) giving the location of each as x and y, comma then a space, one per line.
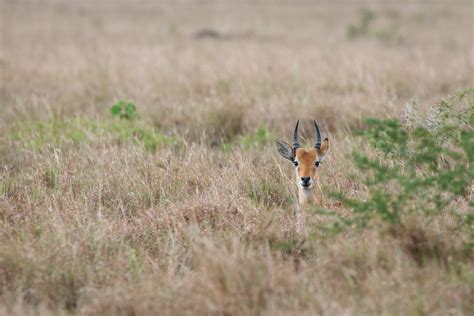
189, 209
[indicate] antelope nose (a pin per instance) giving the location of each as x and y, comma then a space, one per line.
305, 179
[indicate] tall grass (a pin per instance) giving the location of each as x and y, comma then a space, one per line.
183, 206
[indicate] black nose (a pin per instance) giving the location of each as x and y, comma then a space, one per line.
305, 179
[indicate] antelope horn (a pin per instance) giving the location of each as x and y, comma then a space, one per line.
295, 136
318, 136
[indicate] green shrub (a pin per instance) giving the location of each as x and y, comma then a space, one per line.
423, 166
362, 27
124, 110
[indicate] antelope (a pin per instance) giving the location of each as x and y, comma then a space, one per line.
306, 162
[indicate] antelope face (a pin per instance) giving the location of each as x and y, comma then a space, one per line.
306, 161
305, 165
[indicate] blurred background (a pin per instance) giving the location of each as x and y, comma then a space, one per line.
224, 67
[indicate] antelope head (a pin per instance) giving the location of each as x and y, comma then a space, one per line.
305, 161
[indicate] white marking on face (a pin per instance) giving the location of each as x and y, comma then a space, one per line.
308, 185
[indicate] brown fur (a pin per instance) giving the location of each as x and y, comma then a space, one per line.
307, 159
306, 162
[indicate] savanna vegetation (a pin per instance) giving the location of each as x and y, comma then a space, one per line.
139, 173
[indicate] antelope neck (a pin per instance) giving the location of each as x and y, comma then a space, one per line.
305, 195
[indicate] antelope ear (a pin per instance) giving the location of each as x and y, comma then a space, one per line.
285, 150
324, 149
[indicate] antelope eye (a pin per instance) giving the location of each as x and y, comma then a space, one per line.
318, 163
295, 163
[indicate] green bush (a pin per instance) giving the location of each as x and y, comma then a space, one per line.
124, 110
423, 165
362, 27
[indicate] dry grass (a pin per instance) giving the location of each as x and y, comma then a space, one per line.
188, 211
